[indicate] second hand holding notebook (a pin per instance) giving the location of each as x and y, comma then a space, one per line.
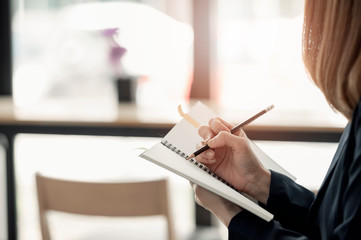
174, 149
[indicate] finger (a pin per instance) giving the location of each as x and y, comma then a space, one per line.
230, 126
217, 125
228, 139
207, 157
227, 124
241, 133
200, 144
205, 132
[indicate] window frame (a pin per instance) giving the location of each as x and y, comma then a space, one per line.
5, 49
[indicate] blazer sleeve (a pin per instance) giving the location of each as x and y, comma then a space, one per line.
288, 201
246, 225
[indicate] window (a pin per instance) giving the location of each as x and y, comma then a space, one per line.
259, 58
247, 55
259, 52
68, 55
5, 49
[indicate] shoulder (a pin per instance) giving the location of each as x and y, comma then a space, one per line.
356, 119
354, 139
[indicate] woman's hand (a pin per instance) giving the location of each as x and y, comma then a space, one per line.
231, 157
222, 208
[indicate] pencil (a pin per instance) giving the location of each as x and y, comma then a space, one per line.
234, 130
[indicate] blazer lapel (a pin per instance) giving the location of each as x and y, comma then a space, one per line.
339, 153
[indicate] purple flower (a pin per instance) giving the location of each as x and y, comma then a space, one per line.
110, 32
116, 51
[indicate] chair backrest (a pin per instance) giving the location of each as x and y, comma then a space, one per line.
145, 198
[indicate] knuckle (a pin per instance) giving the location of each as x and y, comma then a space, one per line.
223, 134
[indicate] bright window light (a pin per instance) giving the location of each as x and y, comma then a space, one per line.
260, 58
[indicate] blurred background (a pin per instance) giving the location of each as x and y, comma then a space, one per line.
80, 59
252, 47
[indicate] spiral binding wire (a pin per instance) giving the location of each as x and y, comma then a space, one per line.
195, 163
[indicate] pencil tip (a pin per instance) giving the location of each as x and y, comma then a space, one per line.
191, 156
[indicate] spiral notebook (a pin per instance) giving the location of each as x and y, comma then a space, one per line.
180, 142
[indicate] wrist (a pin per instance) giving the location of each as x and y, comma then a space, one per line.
226, 212
259, 185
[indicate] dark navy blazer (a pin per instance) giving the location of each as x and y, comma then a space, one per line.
335, 213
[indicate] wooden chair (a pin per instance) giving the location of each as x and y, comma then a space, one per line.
102, 199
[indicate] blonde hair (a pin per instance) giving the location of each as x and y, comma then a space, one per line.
332, 50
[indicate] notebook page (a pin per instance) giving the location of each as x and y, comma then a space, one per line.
184, 135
